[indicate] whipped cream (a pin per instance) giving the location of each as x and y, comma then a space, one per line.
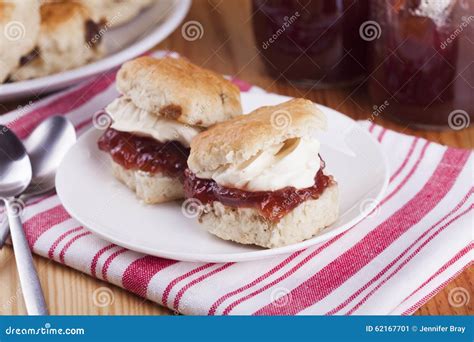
129, 118
293, 163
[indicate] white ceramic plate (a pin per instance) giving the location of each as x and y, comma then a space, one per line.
125, 42
90, 193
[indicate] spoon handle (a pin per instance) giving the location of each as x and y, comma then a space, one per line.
5, 228
4, 232
30, 284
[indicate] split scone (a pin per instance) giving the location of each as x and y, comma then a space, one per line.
261, 182
116, 12
19, 29
69, 38
165, 104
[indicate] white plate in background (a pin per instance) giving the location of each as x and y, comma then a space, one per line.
91, 194
124, 42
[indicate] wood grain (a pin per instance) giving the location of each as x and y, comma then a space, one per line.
227, 46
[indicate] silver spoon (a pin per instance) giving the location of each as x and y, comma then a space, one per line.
46, 147
15, 176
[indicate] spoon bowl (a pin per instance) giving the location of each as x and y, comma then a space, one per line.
15, 165
46, 147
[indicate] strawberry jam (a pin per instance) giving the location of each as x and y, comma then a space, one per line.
145, 154
273, 205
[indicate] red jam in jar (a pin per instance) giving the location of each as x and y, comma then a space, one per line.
313, 43
145, 154
422, 65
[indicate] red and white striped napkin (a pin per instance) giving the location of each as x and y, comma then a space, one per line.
390, 263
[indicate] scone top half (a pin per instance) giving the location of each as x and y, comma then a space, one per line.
271, 148
157, 93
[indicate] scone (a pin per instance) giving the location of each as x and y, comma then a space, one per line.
165, 103
19, 29
259, 177
68, 38
116, 12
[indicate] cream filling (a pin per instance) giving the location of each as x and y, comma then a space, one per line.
129, 118
294, 163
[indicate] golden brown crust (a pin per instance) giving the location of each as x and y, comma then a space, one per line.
239, 139
6, 10
57, 13
176, 88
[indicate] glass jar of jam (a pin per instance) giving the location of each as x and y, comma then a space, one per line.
314, 43
422, 65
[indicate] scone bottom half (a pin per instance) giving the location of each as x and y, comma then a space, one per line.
153, 170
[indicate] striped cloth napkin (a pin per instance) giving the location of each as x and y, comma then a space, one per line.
417, 240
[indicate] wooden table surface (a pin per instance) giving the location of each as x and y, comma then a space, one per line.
226, 46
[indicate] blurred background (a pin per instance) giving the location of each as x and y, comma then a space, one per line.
406, 64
